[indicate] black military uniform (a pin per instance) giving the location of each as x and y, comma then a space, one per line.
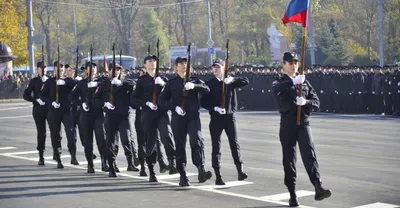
91, 119
60, 112
117, 119
225, 121
152, 120
189, 123
39, 110
290, 133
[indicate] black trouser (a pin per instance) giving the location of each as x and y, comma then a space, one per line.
358, 103
140, 139
90, 122
396, 103
39, 115
181, 127
152, 121
117, 123
55, 118
76, 124
378, 103
388, 104
218, 123
289, 136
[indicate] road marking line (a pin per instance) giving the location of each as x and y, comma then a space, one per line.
11, 117
85, 162
20, 153
227, 185
7, 148
5, 109
378, 205
51, 157
163, 177
285, 196
169, 183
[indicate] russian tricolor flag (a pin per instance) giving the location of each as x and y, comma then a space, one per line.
297, 11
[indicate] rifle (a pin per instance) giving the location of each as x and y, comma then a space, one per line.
156, 73
89, 79
58, 72
112, 76
148, 50
42, 65
77, 62
225, 75
120, 63
186, 78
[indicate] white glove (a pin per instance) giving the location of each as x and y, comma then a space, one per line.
299, 79
40, 101
349, 93
300, 101
337, 92
60, 82
322, 91
359, 92
55, 105
373, 93
220, 110
44, 78
116, 81
229, 80
92, 84
160, 81
78, 78
189, 86
151, 105
179, 111
85, 107
390, 82
389, 93
109, 106
262, 91
398, 84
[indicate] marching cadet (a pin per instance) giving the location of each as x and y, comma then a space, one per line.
285, 89
115, 96
153, 118
91, 116
59, 112
39, 110
186, 121
223, 118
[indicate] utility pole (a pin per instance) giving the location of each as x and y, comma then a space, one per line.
210, 42
311, 37
29, 24
380, 27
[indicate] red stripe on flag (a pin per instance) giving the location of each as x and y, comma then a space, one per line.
300, 18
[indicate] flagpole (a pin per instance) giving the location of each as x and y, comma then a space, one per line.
303, 49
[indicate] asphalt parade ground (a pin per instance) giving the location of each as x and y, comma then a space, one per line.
358, 155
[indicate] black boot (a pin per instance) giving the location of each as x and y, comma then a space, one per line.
172, 167
320, 192
41, 159
203, 174
74, 161
184, 180
135, 160
112, 173
131, 167
152, 177
241, 175
58, 159
90, 167
163, 167
142, 169
54, 156
116, 167
94, 156
218, 180
104, 165
293, 202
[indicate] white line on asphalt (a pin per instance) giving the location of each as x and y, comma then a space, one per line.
168, 182
51, 157
14, 104
19, 153
4, 109
85, 162
11, 117
163, 177
285, 196
378, 205
227, 185
7, 148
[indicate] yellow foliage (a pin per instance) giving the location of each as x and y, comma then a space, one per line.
13, 31
355, 49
